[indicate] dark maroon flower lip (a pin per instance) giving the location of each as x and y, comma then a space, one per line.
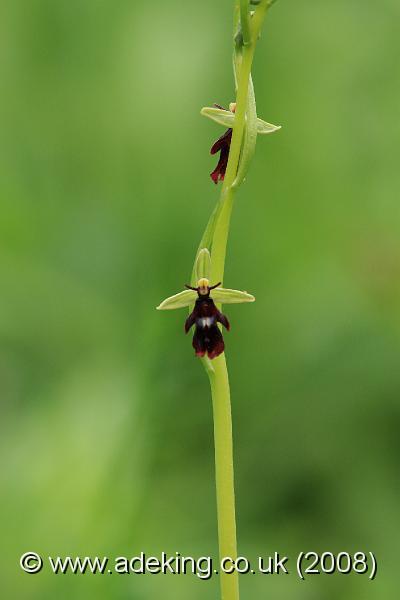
222, 145
207, 338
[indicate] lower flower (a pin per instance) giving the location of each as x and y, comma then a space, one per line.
205, 316
207, 337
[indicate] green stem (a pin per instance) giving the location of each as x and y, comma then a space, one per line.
216, 236
219, 379
220, 392
221, 230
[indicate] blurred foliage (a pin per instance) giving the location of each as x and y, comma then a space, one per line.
106, 432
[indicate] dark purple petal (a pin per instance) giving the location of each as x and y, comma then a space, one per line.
199, 342
223, 320
222, 145
215, 343
189, 322
222, 142
208, 340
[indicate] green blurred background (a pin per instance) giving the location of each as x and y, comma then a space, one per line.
106, 430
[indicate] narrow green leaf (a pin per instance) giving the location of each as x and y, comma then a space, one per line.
227, 296
185, 298
222, 117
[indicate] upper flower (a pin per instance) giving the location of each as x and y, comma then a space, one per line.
225, 117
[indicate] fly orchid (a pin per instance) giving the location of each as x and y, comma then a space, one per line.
225, 117
204, 314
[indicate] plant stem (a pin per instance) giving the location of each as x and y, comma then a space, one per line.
220, 392
221, 231
219, 379
216, 235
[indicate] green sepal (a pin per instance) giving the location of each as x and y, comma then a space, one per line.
222, 295
181, 300
227, 296
263, 127
227, 119
220, 116
203, 264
